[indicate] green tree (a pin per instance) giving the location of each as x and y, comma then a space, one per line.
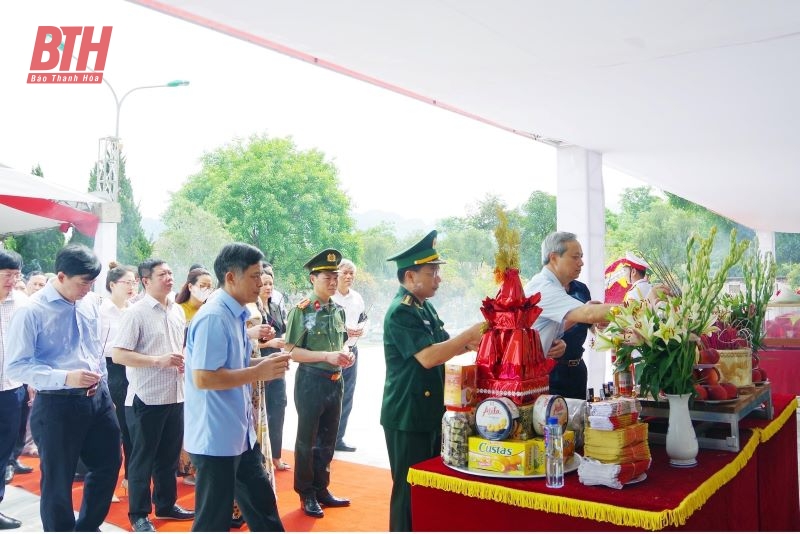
286, 202
787, 247
537, 219
192, 235
133, 246
378, 243
38, 249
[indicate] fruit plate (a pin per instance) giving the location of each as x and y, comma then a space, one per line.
704, 365
723, 401
571, 465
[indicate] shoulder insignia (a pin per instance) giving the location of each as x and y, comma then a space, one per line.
303, 304
407, 300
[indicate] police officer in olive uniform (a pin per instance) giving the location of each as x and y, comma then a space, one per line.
315, 337
415, 346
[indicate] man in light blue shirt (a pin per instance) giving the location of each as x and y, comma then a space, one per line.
55, 346
219, 433
562, 259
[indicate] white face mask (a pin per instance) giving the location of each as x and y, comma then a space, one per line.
200, 293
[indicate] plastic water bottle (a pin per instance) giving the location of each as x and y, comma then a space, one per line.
554, 447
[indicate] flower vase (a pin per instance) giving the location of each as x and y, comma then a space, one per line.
681, 439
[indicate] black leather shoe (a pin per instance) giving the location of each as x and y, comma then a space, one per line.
143, 524
9, 474
8, 523
20, 468
176, 514
237, 522
326, 499
311, 507
343, 447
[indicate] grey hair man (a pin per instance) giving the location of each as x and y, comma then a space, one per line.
562, 260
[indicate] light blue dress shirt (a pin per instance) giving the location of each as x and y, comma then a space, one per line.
218, 422
52, 336
555, 305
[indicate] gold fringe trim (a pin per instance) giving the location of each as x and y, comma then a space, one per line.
629, 517
617, 515
776, 424
695, 500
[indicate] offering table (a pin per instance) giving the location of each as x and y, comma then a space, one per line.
753, 489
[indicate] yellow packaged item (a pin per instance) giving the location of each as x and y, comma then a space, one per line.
459, 385
513, 457
616, 438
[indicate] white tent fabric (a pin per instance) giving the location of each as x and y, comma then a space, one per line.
692, 97
19, 184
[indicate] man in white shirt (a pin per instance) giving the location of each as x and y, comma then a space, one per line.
355, 321
562, 259
12, 392
149, 342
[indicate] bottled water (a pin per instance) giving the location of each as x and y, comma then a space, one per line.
554, 446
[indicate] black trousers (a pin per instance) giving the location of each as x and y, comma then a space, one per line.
276, 413
65, 428
10, 401
406, 449
24, 412
118, 386
221, 479
157, 437
319, 404
349, 376
569, 381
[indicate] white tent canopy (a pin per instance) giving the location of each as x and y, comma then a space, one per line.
696, 98
43, 204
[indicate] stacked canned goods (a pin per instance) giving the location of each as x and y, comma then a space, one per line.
456, 430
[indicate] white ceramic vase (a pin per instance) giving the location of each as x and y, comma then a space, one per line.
681, 439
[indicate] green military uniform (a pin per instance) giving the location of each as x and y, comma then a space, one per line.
316, 326
413, 397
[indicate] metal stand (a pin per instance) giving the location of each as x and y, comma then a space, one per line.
108, 167
712, 420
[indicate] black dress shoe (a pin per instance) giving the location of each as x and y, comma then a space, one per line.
343, 447
176, 513
326, 499
20, 468
143, 524
311, 507
8, 523
9, 473
237, 522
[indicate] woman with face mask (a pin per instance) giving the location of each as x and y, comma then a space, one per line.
192, 295
194, 292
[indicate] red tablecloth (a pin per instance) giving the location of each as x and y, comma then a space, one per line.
755, 489
783, 369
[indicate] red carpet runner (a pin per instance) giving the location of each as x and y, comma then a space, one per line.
368, 487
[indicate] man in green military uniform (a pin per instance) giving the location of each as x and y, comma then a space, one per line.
315, 337
415, 346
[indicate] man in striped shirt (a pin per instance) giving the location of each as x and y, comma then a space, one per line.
149, 343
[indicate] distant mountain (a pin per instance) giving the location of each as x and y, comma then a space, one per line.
402, 225
152, 228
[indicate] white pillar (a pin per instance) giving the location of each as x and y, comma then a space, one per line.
766, 241
105, 240
580, 208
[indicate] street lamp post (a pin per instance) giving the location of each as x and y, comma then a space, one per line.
108, 164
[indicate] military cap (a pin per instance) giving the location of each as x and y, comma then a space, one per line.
327, 260
420, 254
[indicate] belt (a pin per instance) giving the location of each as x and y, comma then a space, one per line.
570, 363
72, 392
332, 376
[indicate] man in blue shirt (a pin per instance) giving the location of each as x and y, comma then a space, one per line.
219, 433
55, 346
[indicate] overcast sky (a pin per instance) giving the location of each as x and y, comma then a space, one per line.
435, 163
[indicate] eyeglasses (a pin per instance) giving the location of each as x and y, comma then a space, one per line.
10, 275
126, 282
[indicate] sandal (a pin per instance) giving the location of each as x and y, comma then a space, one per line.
280, 465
